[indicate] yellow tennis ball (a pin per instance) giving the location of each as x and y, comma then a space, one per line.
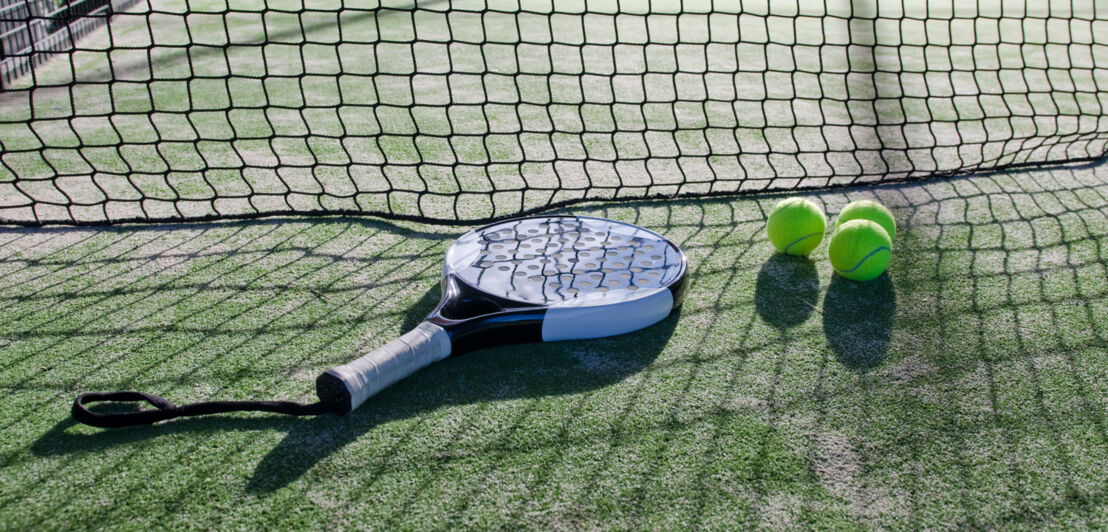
869, 210
859, 250
795, 226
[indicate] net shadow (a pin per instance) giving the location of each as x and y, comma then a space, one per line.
1003, 269
988, 392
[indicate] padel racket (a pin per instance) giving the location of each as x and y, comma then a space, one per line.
537, 279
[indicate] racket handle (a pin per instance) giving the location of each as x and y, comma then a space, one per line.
344, 388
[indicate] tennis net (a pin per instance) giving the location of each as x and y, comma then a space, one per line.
469, 111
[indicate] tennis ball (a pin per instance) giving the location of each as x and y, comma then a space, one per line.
796, 226
869, 210
859, 250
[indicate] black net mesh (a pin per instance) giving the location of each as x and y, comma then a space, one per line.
469, 110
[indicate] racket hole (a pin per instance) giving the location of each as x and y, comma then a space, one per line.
618, 264
642, 281
653, 274
566, 277
572, 290
503, 268
596, 276
545, 261
524, 245
601, 289
656, 257
578, 271
517, 262
485, 264
636, 269
501, 257
520, 274
632, 287
607, 270
613, 282
584, 284
648, 246
498, 246
590, 266
536, 278
550, 273
555, 285
532, 266
624, 276
646, 263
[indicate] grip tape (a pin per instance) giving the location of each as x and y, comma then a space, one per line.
387, 364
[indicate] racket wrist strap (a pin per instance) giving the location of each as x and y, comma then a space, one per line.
164, 409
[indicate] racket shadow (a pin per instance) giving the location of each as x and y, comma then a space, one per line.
500, 373
494, 374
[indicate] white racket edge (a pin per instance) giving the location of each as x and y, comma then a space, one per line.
380, 368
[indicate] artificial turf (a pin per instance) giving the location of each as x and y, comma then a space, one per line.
964, 389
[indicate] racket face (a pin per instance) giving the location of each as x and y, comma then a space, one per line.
566, 261
589, 277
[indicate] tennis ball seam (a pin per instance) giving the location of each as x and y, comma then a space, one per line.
801, 239
790, 216
864, 259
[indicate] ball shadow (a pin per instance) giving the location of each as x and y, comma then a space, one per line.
786, 291
858, 320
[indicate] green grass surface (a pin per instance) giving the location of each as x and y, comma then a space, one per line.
965, 389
